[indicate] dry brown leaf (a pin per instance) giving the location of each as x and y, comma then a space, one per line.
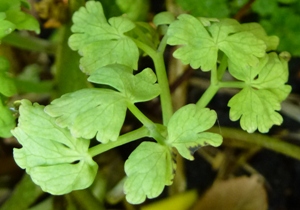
243, 193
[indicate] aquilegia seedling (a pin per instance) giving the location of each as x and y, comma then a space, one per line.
56, 138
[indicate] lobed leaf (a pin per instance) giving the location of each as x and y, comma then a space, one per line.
136, 88
89, 113
186, 130
101, 42
200, 45
54, 159
198, 48
149, 168
241, 47
257, 103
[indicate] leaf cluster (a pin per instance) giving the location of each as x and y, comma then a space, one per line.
56, 137
245, 48
11, 17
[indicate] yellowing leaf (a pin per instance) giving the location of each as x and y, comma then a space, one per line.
136, 88
241, 193
186, 130
54, 159
149, 168
90, 112
101, 42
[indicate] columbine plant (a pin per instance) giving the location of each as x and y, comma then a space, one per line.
56, 138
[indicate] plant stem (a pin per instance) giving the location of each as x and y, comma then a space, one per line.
154, 133
222, 67
29, 43
259, 140
123, 139
87, 200
159, 64
165, 96
214, 77
232, 84
207, 96
67, 65
216, 83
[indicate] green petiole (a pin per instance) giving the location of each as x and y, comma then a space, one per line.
123, 139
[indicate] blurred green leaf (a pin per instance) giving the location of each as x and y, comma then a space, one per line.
12, 17
7, 120
134, 9
163, 18
205, 8
24, 195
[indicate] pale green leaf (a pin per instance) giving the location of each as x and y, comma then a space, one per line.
186, 130
256, 109
199, 46
163, 18
270, 72
273, 75
149, 168
207, 21
258, 102
240, 46
258, 31
7, 121
145, 33
54, 159
136, 88
89, 113
101, 42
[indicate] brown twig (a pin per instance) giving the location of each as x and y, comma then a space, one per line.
244, 10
